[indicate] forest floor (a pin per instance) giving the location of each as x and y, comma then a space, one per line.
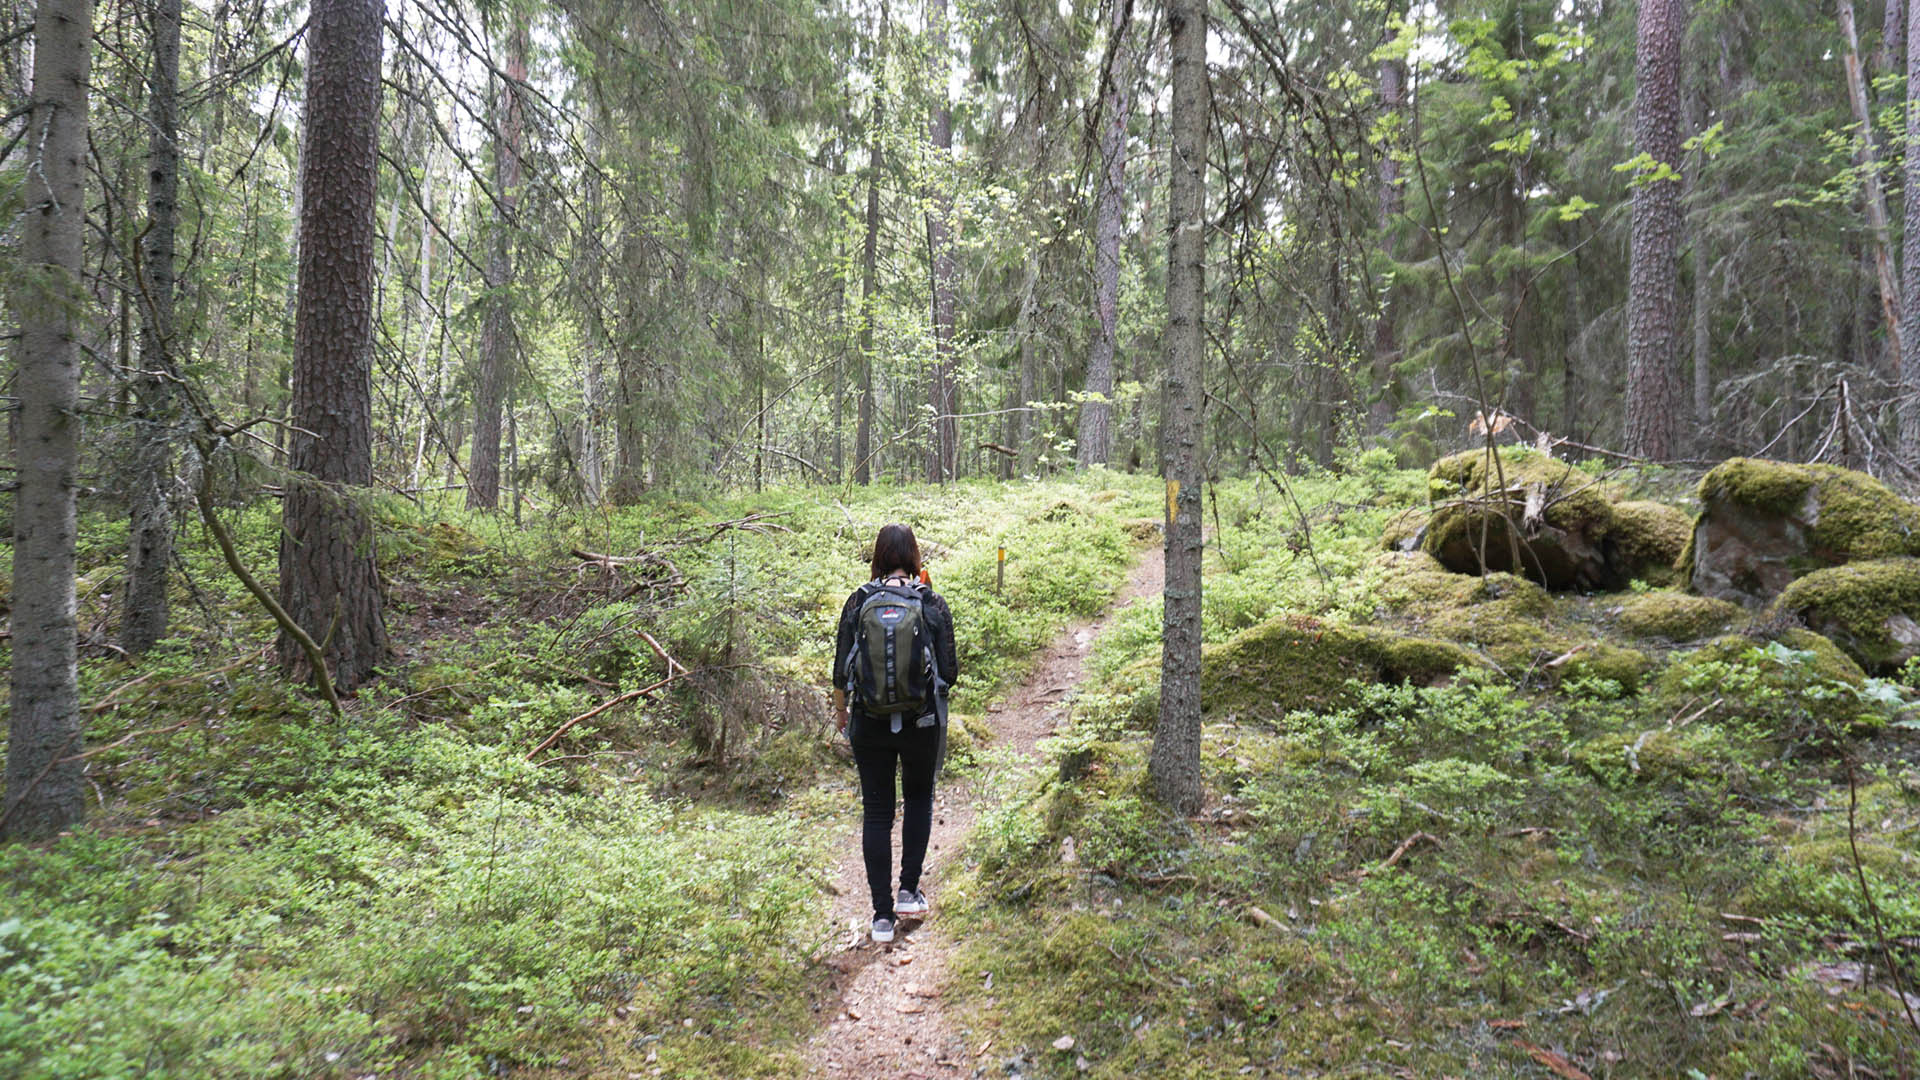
1659, 866
891, 1016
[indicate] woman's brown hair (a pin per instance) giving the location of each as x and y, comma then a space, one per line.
896, 549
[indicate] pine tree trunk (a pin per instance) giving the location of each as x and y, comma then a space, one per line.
943, 458
1702, 297
1386, 331
1175, 760
1878, 226
150, 529
44, 788
869, 300
1096, 413
497, 332
1907, 410
328, 581
1019, 419
1653, 272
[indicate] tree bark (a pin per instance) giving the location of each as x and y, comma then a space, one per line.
869, 288
1386, 331
1703, 435
1019, 420
943, 458
1907, 409
1653, 273
44, 786
1096, 412
497, 332
1878, 226
1175, 760
328, 581
150, 528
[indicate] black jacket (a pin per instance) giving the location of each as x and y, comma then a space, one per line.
939, 620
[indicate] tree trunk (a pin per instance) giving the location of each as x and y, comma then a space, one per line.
1907, 409
1019, 419
1893, 39
1096, 412
1878, 227
1702, 295
869, 287
1175, 761
44, 786
497, 332
1653, 273
328, 581
150, 529
1386, 331
943, 458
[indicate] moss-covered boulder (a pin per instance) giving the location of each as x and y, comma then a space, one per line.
1764, 523
1549, 521
1648, 539
1677, 616
1870, 609
1299, 662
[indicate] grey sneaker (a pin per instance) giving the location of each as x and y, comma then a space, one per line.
883, 930
910, 902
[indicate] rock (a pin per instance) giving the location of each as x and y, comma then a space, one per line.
1677, 616
1869, 609
1764, 523
1546, 520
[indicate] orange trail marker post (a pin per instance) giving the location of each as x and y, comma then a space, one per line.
1000, 573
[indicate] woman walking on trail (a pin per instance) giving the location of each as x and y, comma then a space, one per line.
893, 659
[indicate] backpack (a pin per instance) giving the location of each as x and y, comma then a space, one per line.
890, 669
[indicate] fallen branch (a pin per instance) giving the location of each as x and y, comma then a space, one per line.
662, 654
321, 675
1406, 846
645, 691
1261, 918
1005, 451
123, 740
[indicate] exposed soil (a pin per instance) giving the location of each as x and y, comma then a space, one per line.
890, 1018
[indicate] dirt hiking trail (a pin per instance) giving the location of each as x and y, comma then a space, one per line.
890, 1018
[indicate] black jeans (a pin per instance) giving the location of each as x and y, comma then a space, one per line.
914, 754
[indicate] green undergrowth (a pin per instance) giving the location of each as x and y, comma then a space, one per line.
1620, 850
265, 891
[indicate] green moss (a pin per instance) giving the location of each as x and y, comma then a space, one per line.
1676, 616
1599, 660
1765, 485
1575, 500
1853, 605
1649, 538
1402, 528
1415, 584
1297, 662
1828, 661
